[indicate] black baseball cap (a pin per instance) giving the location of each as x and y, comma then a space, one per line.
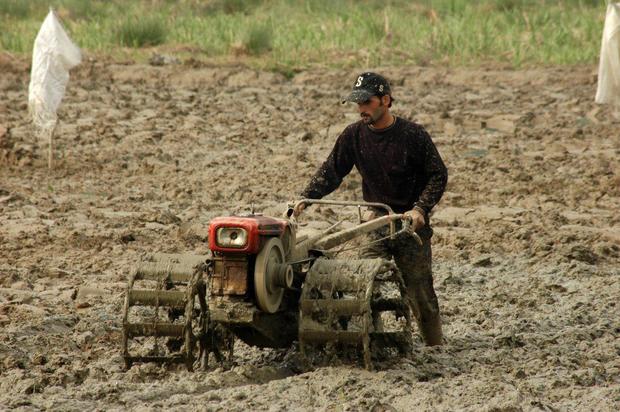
368, 84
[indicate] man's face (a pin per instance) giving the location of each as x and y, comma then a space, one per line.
371, 110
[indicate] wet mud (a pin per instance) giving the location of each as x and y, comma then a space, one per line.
526, 239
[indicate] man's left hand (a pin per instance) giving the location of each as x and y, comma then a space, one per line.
417, 219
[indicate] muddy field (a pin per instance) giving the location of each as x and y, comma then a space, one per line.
526, 244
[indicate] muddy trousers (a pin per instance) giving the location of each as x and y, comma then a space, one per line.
414, 262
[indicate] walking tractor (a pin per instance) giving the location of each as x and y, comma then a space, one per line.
268, 285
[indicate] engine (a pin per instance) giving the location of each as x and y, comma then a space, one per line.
249, 258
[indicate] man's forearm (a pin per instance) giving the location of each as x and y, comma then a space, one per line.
432, 193
437, 173
321, 185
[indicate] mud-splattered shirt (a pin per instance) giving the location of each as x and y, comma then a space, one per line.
400, 166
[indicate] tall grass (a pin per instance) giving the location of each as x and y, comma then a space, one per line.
136, 31
259, 38
298, 33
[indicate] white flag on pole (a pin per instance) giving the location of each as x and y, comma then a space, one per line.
53, 55
608, 90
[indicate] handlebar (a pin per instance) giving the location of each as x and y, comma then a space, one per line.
366, 227
387, 208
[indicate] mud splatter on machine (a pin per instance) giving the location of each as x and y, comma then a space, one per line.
269, 286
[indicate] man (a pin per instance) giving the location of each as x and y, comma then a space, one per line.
400, 166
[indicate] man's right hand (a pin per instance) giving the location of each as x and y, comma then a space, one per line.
417, 219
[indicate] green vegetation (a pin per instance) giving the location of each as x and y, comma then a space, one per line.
139, 32
292, 34
259, 38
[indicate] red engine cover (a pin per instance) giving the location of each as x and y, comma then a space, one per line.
256, 226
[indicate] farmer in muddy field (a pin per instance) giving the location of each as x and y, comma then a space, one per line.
401, 167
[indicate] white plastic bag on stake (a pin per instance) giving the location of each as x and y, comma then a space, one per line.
608, 90
54, 54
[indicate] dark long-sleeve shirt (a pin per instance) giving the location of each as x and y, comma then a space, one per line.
400, 166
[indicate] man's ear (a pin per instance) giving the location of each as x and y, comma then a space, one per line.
385, 99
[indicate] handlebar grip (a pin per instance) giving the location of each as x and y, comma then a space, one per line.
406, 222
417, 238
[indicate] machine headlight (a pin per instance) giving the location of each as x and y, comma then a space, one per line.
233, 237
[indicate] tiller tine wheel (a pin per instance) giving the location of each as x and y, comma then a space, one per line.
355, 302
165, 303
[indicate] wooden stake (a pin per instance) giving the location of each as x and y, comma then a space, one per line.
386, 26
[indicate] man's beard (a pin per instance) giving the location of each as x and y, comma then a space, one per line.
371, 118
